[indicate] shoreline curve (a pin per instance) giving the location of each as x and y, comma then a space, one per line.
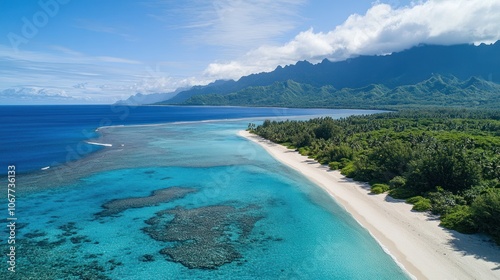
414, 240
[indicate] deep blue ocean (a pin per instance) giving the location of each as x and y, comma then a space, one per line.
175, 194
34, 137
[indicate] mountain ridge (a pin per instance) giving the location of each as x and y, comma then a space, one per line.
397, 69
437, 90
144, 99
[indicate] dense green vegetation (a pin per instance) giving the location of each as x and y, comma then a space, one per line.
443, 91
446, 161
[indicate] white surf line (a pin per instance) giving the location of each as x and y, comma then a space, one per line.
254, 118
257, 118
99, 144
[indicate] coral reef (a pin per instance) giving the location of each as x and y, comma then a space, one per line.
205, 237
43, 258
116, 206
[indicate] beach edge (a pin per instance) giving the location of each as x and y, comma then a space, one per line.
414, 240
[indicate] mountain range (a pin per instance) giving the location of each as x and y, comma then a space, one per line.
141, 99
426, 74
443, 91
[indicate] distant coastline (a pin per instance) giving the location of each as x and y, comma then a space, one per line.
415, 240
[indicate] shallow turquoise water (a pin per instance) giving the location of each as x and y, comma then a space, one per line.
300, 232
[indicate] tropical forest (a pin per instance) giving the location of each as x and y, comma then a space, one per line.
445, 161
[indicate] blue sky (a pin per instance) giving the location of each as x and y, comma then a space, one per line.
74, 51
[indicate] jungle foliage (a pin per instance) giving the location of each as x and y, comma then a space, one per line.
446, 161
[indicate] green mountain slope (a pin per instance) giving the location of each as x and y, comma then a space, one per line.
438, 90
407, 67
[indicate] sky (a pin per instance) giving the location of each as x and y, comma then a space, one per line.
98, 52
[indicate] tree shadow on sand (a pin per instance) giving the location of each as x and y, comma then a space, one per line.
478, 246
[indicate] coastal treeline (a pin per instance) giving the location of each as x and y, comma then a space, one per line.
446, 161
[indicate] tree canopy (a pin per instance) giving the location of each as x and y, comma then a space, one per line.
449, 159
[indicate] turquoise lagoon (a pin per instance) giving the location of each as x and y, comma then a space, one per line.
246, 216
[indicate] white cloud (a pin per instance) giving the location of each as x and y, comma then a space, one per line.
159, 84
99, 27
33, 91
117, 60
236, 23
61, 55
34, 95
65, 50
381, 30
81, 85
72, 77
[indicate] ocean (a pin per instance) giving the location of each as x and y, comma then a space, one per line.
175, 193
34, 137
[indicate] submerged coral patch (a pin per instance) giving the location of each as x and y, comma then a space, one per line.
205, 237
46, 259
116, 206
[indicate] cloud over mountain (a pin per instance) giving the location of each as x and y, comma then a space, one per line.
381, 30
196, 42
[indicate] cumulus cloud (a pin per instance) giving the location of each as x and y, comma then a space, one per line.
71, 76
381, 30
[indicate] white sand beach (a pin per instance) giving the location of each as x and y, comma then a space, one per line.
415, 240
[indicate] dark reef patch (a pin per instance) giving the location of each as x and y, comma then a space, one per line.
205, 237
68, 229
116, 206
79, 239
35, 234
45, 259
147, 258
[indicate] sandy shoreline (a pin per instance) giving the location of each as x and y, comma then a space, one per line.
415, 240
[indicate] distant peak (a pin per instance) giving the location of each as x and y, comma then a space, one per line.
303, 62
